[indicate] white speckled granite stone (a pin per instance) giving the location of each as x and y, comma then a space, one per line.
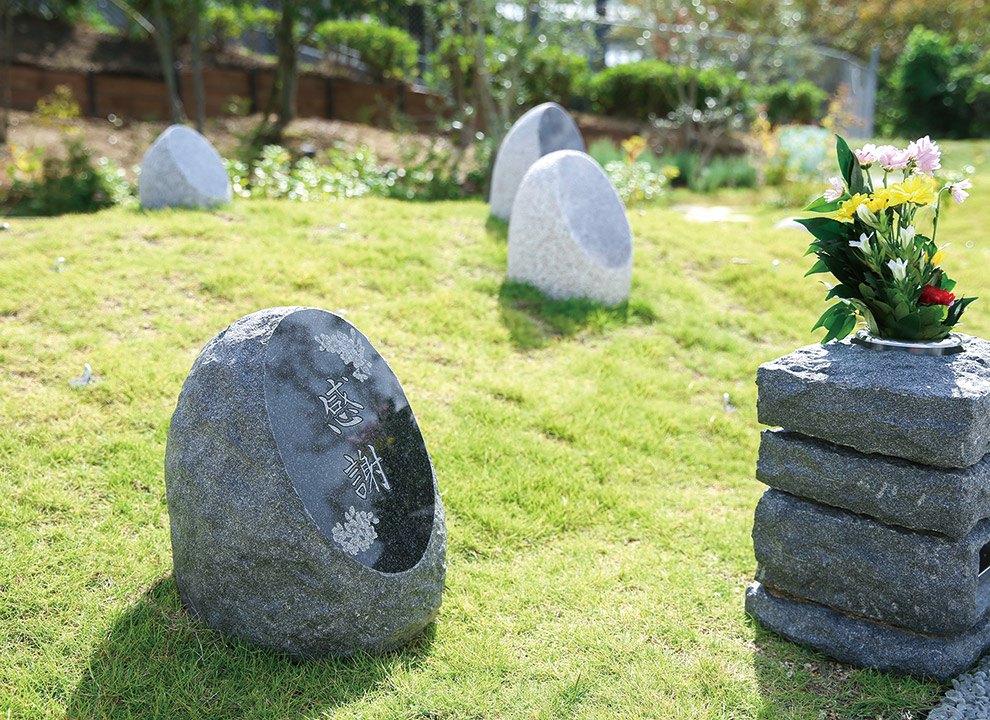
569, 235
540, 131
927, 409
255, 484
182, 169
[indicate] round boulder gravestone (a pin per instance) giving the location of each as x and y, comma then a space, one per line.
182, 169
304, 508
540, 131
569, 235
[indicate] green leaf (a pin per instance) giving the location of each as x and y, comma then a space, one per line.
849, 166
826, 228
819, 267
837, 309
907, 327
839, 327
866, 292
841, 291
820, 204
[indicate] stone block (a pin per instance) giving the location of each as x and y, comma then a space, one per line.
894, 491
923, 582
303, 504
569, 235
182, 169
866, 643
927, 409
540, 131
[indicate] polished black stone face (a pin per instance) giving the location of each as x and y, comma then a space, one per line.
349, 441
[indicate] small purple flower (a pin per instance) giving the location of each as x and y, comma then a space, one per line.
959, 189
836, 191
926, 155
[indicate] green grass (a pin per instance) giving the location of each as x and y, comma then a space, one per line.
599, 497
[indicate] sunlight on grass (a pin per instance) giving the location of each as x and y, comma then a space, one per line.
599, 495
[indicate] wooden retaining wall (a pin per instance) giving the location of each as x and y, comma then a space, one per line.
143, 98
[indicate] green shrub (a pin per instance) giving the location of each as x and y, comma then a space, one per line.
45, 181
429, 172
733, 171
276, 174
635, 181
791, 102
70, 184
389, 51
650, 88
604, 151
550, 73
930, 84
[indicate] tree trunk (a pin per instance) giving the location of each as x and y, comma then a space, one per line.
6, 52
197, 61
286, 76
163, 41
482, 83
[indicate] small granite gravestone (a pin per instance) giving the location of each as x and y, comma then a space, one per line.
569, 235
540, 131
304, 508
873, 543
182, 169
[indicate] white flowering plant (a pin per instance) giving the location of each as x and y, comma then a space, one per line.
889, 272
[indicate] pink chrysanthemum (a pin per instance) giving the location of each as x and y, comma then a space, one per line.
926, 154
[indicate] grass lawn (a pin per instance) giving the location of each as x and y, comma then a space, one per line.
599, 496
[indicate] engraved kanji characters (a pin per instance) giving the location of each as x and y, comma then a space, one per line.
341, 411
365, 472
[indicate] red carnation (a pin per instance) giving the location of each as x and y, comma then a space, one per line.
932, 295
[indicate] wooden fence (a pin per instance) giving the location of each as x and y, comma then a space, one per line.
144, 98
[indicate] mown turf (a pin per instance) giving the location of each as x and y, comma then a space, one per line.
599, 493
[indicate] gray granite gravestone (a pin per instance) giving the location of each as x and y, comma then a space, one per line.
540, 131
182, 169
873, 543
304, 508
569, 235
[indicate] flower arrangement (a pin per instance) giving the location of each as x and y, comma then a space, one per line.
889, 272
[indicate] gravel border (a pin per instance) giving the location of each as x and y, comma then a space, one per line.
969, 698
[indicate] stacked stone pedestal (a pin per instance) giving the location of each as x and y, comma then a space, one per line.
873, 541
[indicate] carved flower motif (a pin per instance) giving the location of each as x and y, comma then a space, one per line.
356, 534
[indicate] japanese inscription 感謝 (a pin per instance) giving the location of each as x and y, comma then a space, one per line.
365, 472
341, 411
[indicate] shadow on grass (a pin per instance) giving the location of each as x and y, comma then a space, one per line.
535, 321
497, 229
797, 682
159, 662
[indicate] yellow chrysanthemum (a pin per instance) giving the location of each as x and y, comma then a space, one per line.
848, 208
879, 200
917, 189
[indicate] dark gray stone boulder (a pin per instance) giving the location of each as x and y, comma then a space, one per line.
304, 509
865, 643
928, 409
894, 491
920, 581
